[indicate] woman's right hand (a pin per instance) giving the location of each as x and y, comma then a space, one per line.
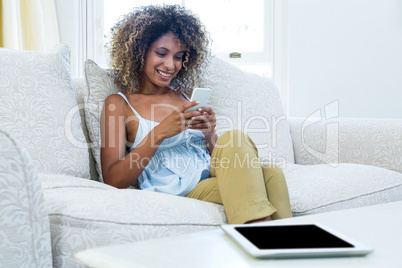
177, 121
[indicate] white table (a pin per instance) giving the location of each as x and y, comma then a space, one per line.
379, 226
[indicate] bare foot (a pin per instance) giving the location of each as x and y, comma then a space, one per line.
259, 220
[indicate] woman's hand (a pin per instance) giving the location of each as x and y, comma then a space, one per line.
205, 122
177, 121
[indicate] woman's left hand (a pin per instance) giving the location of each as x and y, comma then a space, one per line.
206, 122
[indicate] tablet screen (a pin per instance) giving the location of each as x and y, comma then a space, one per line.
291, 237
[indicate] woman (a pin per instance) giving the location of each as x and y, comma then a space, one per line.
149, 137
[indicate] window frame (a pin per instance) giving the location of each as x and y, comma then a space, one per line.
256, 58
95, 36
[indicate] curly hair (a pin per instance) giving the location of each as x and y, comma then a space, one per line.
136, 31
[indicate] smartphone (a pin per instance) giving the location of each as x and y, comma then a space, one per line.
202, 95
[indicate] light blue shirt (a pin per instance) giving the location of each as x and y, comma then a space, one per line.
179, 163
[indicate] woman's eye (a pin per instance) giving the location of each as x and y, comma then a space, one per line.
160, 54
179, 58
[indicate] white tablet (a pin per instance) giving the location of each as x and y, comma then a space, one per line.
294, 241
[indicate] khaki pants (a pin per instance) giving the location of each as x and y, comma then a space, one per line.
247, 189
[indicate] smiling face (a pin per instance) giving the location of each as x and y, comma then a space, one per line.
163, 61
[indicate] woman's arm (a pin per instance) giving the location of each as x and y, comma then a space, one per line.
210, 141
118, 169
121, 170
206, 123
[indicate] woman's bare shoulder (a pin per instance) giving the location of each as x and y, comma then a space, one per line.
114, 102
114, 98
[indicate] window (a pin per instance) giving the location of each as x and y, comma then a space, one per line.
237, 27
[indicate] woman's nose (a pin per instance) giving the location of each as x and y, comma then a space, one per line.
169, 63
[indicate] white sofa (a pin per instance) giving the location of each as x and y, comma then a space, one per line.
52, 204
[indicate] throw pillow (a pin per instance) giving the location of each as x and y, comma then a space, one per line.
39, 109
250, 103
100, 85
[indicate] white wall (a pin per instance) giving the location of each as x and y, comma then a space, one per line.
345, 50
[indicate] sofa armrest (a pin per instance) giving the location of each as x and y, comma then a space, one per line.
376, 142
24, 222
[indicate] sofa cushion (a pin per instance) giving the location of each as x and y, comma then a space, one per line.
39, 109
321, 188
100, 85
95, 214
251, 103
53, 181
